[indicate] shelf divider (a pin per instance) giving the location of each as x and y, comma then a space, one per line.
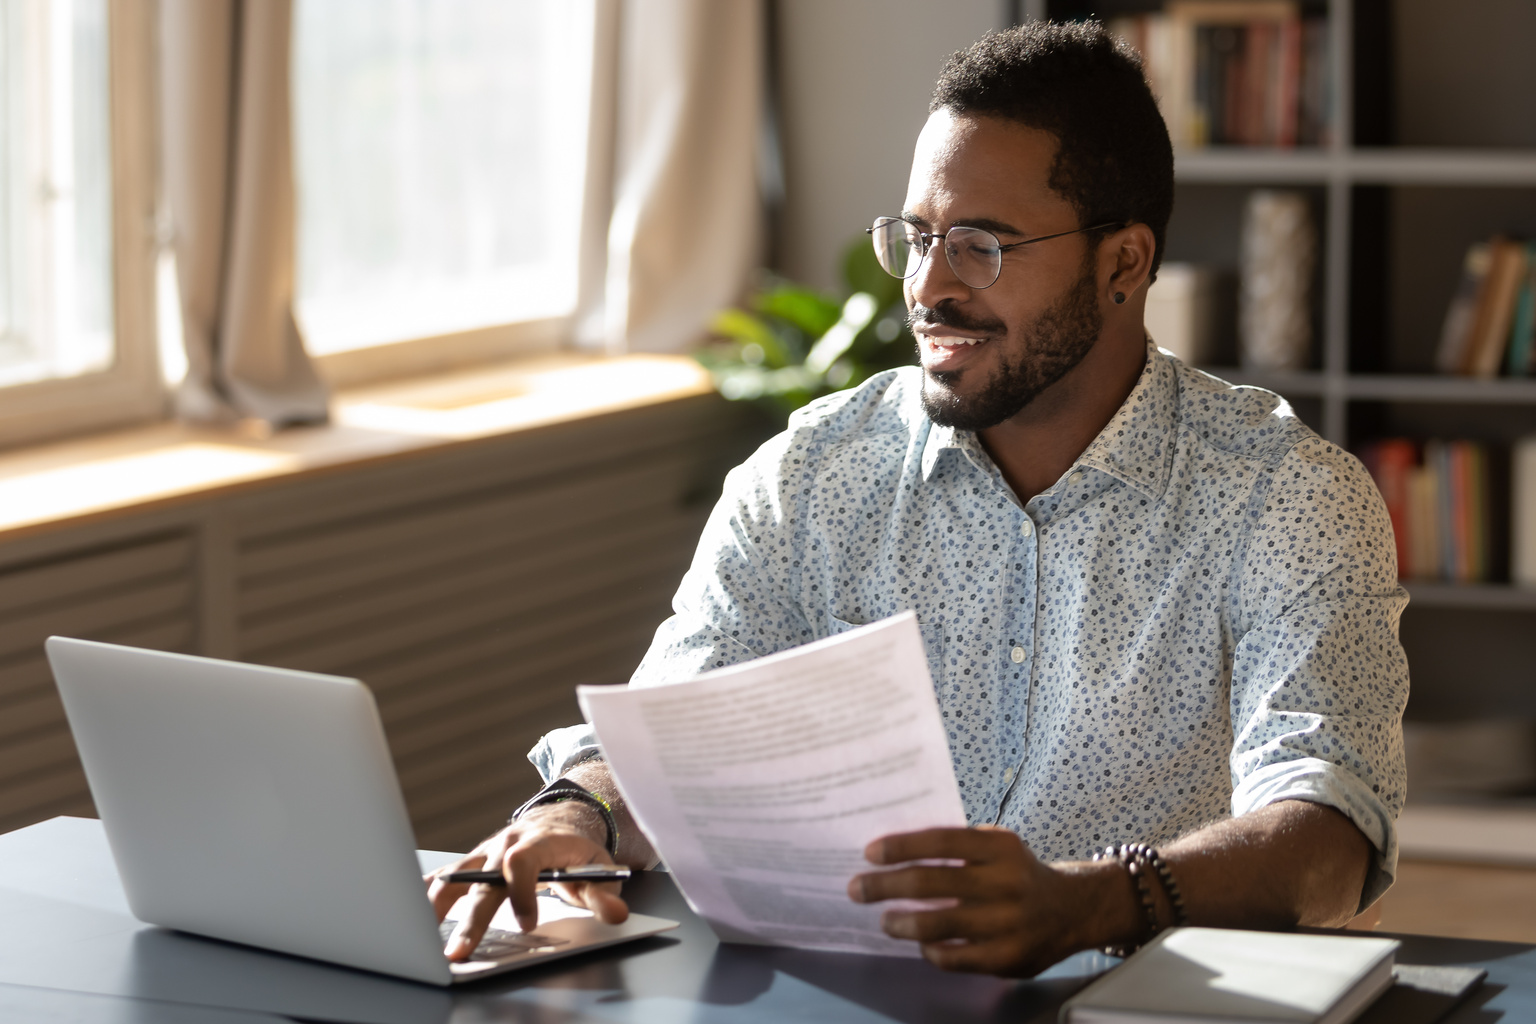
1427, 388
1478, 596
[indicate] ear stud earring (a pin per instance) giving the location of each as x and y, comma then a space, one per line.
1119, 298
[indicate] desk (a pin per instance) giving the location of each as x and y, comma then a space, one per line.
70, 951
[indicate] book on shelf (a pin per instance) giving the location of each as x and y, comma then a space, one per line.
1522, 562
1438, 495
1491, 317
1523, 323
1181, 311
1236, 72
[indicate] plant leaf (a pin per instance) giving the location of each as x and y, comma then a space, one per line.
809, 311
747, 329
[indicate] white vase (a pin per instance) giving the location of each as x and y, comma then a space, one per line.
1279, 257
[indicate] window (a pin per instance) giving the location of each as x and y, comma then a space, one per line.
56, 285
76, 316
441, 154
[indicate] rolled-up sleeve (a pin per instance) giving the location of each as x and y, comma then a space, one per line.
1319, 678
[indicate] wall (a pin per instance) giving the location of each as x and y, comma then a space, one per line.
854, 81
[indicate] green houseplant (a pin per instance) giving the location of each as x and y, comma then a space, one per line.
791, 344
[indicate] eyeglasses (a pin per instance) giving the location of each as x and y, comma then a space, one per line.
975, 255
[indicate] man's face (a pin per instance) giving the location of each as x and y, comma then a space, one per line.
986, 353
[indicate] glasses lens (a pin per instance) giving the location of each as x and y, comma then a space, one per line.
898, 246
975, 256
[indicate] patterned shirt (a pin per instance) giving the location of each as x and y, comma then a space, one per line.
1197, 619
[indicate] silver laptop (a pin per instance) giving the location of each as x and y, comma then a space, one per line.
260, 805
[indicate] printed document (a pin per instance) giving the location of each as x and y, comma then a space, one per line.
760, 785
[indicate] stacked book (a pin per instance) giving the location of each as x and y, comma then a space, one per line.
1492, 316
1236, 72
1437, 494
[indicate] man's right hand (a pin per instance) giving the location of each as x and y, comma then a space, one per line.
545, 837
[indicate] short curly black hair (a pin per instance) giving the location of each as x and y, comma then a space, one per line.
1114, 162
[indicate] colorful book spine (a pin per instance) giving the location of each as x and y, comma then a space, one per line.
1456, 331
1390, 462
1522, 567
1438, 499
1287, 87
1521, 332
1479, 540
1235, 72
1495, 310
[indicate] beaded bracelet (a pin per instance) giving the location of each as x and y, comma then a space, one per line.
1165, 876
1139, 860
1127, 859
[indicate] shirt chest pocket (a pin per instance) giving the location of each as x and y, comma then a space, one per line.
933, 643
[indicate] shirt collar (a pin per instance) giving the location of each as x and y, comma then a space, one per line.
1135, 446
941, 439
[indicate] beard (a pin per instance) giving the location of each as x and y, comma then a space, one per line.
1055, 342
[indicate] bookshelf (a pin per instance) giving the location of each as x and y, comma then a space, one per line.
1370, 165
1398, 194
1388, 387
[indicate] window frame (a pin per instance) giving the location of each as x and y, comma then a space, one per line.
130, 389
580, 329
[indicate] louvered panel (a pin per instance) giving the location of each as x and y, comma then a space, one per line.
27, 689
496, 750
303, 566
135, 593
30, 589
40, 708
544, 701
466, 790
449, 582
24, 678
594, 448
42, 749
91, 618
28, 697
506, 623
492, 606
411, 687
43, 794
502, 692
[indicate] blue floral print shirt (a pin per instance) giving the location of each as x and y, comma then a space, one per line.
1198, 619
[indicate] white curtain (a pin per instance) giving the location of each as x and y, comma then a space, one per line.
686, 226
676, 136
228, 176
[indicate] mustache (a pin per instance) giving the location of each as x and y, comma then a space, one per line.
948, 314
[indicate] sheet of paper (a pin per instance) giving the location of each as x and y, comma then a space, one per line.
760, 785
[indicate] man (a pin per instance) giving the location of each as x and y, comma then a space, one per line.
1158, 608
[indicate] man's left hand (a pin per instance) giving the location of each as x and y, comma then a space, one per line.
1011, 914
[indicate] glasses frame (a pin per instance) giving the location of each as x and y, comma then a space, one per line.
928, 238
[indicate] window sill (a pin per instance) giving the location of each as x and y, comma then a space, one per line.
68, 483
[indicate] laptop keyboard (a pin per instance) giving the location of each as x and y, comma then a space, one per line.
499, 944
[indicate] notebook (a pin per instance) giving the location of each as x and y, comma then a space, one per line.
1227, 976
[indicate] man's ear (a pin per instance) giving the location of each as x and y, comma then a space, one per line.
1127, 256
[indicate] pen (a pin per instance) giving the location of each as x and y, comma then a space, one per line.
582, 873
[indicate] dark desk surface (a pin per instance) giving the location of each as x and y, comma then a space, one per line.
69, 951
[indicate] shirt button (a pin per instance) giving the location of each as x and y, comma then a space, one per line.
1075, 478
1027, 528
1008, 775
1017, 654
